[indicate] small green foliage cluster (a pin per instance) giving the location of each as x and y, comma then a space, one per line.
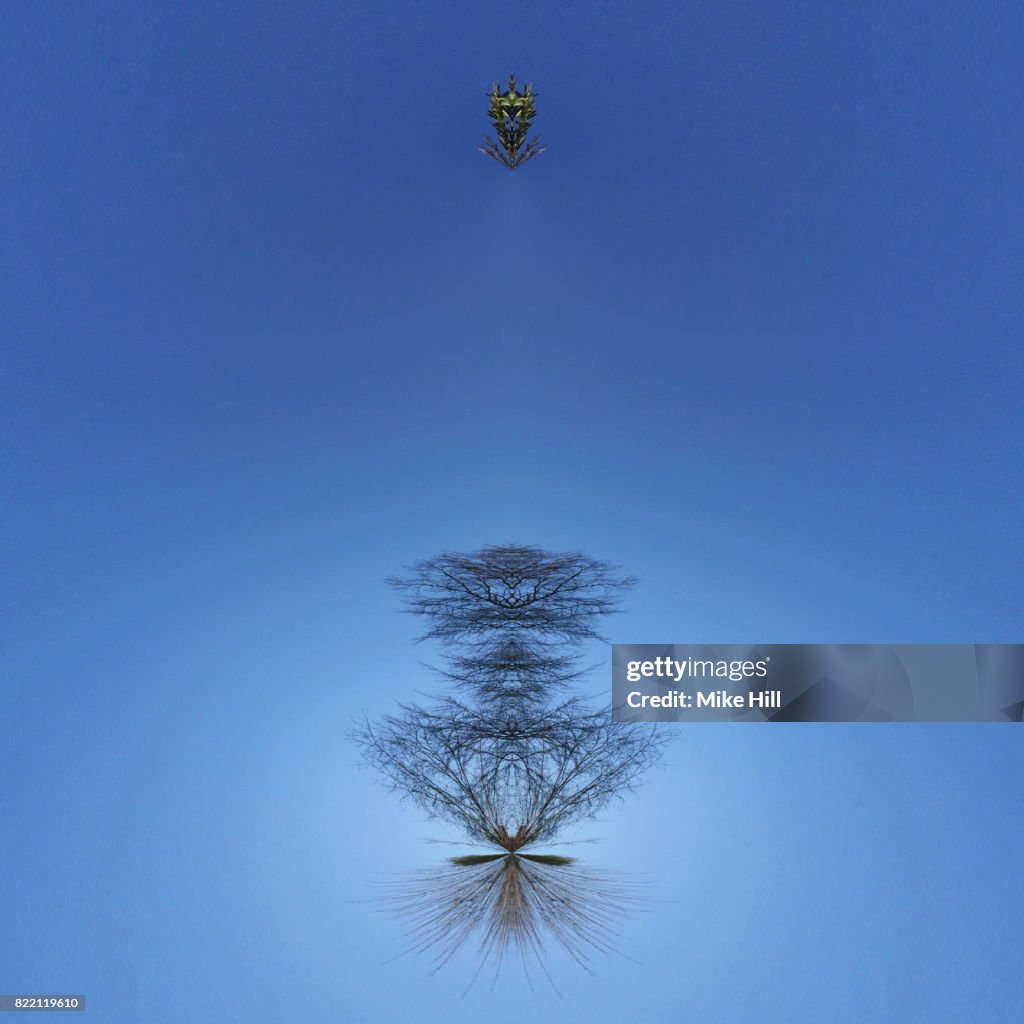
511, 113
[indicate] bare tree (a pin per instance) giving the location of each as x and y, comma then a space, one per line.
511, 762
513, 613
512, 587
511, 669
514, 782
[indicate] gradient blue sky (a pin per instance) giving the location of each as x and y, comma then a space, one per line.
271, 329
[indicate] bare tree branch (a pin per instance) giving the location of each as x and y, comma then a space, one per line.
491, 777
512, 902
513, 613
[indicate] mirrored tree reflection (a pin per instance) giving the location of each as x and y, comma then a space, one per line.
512, 904
527, 776
510, 760
512, 617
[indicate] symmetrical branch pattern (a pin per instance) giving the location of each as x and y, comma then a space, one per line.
511, 113
509, 760
513, 903
513, 614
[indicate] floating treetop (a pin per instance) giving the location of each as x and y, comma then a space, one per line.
510, 113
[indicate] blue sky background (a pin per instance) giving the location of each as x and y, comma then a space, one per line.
272, 329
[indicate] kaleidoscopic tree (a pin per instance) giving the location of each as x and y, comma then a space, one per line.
511, 113
509, 783
513, 615
509, 760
